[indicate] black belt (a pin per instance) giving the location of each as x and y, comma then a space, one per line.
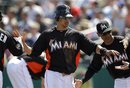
124, 76
56, 70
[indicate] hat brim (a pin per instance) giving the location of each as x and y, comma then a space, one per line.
68, 16
107, 30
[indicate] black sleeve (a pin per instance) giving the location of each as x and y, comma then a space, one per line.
87, 45
39, 46
14, 46
94, 67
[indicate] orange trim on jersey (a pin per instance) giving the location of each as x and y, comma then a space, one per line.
48, 59
35, 67
77, 58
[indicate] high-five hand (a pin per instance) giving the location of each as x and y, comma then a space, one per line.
125, 66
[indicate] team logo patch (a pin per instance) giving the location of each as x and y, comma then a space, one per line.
18, 46
103, 26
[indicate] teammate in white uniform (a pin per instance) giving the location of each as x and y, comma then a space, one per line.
21, 70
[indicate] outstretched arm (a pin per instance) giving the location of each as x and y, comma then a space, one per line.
103, 51
26, 48
93, 68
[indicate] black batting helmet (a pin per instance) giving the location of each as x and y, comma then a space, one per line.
63, 11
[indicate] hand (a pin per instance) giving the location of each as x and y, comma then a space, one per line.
125, 66
16, 33
24, 36
125, 42
112, 52
78, 83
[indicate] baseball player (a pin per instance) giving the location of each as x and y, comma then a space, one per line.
7, 42
21, 70
62, 45
117, 66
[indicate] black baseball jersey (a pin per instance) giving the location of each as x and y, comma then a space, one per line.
8, 42
62, 49
110, 62
36, 66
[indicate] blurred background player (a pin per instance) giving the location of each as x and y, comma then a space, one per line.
117, 66
7, 42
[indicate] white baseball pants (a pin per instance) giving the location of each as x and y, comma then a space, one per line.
1, 79
122, 83
58, 80
19, 74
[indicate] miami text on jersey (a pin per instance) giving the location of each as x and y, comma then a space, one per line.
58, 45
109, 60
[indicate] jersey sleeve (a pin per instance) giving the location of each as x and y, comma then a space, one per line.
87, 45
14, 46
39, 46
93, 68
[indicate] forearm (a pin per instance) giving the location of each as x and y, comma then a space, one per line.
27, 49
100, 50
88, 75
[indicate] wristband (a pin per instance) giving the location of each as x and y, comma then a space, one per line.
103, 51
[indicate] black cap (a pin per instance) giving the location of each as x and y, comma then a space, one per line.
63, 11
103, 27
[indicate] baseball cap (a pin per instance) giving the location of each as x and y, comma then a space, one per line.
63, 11
103, 27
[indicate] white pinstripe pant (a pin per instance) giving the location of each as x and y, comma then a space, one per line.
58, 80
122, 83
19, 74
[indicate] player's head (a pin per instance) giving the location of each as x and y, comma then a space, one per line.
103, 28
1, 16
62, 11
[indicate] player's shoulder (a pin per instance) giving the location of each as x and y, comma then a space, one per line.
47, 31
119, 38
73, 31
5, 33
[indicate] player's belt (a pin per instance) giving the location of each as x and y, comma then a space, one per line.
125, 76
57, 70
